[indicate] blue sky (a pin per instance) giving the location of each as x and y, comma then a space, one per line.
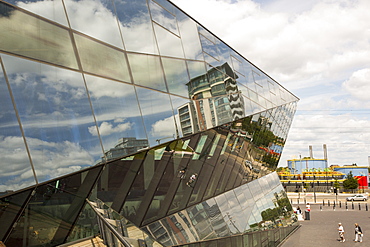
320, 51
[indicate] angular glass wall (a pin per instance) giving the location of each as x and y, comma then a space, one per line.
137, 75
138, 105
259, 205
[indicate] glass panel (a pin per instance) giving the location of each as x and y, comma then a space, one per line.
228, 166
203, 170
157, 204
53, 210
118, 116
56, 115
176, 76
189, 36
139, 188
238, 162
85, 226
196, 69
159, 121
167, 5
209, 47
163, 17
52, 10
111, 180
150, 65
237, 217
168, 43
29, 36
96, 19
10, 209
134, 163
219, 160
12, 148
224, 55
184, 191
225, 242
136, 26
173, 176
100, 59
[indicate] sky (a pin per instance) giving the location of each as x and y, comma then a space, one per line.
320, 51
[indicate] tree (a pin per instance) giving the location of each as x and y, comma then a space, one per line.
350, 183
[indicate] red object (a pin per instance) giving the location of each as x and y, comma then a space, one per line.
362, 182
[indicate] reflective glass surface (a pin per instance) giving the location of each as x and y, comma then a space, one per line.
137, 105
99, 59
163, 16
96, 19
153, 76
159, 121
136, 26
189, 36
52, 10
29, 36
12, 146
168, 43
224, 216
111, 100
55, 114
176, 75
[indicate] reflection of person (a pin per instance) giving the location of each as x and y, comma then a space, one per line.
182, 174
358, 233
192, 179
341, 232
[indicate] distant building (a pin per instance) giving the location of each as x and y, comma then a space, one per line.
126, 146
361, 173
297, 166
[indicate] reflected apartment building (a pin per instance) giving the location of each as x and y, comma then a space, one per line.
200, 129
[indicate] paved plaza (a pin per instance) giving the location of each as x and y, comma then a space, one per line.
321, 229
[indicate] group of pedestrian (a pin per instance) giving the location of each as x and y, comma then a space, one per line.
358, 233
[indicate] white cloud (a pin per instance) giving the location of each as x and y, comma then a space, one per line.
358, 85
345, 136
165, 127
106, 128
50, 160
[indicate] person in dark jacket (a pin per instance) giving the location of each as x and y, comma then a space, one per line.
358, 233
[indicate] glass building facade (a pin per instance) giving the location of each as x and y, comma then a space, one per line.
137, 105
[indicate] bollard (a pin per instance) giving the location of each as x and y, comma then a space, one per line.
340, 204
328, 203
291, 201
305, 201
334, 203
334, 207
323, 202
366, 207
298, 201
320, 207
359, 206
353, 206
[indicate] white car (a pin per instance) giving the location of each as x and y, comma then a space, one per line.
358, 197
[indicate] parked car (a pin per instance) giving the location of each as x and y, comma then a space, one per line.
358, 197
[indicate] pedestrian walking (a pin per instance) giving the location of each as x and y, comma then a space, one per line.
358, 233
341, 232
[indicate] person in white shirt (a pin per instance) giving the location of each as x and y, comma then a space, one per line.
341, 232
